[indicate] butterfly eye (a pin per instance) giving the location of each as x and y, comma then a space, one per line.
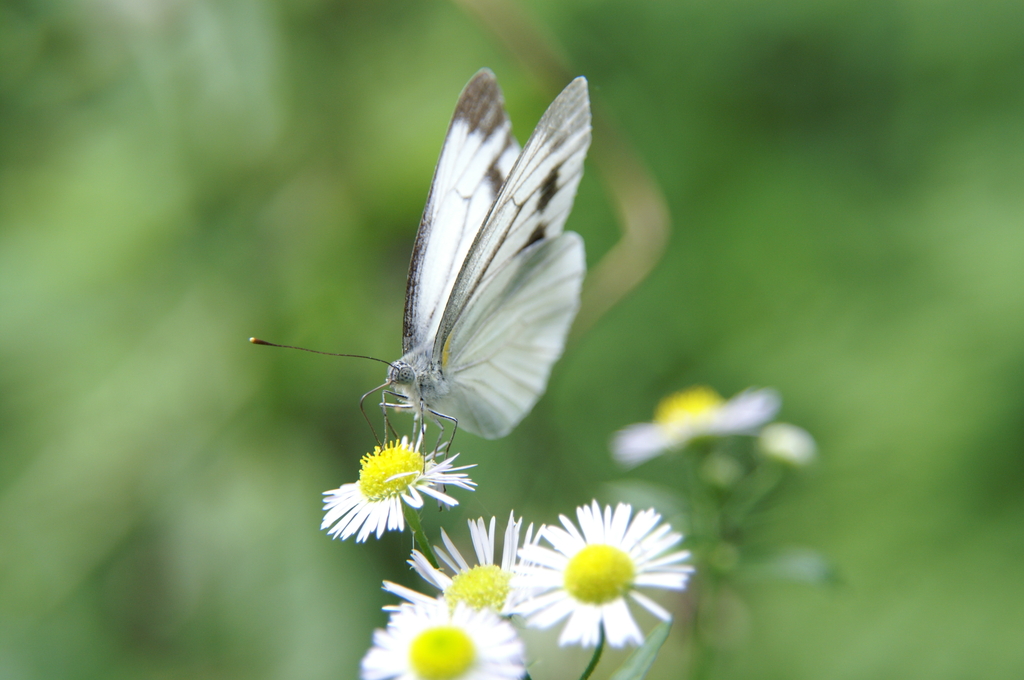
401, 373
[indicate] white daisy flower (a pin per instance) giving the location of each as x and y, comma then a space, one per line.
787, 443
587, 576
389, 476
484, 586
428, 641
696, 412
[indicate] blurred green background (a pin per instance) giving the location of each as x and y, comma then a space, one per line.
845, 182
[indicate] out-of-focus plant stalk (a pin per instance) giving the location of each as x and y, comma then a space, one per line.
640, 206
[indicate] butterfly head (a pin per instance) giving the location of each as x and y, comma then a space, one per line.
401, 373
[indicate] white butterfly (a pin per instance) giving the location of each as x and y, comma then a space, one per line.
494, 282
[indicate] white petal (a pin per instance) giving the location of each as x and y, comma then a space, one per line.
511, 544
746, 412
583, 626
664, 580
427, 572
538, 578
650, 605
619, 625
439, 495
564, 542
483, 544
654, 553
547, 610
545, 557
569, 529
394, 515
412, 498
460, 561
445, 558
666, 560
644, 521
591, 522
363, 519
406, 593
638, 443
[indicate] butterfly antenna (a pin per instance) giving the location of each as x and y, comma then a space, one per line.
257, 341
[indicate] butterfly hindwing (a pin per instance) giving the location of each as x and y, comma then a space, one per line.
478, 153
501, 350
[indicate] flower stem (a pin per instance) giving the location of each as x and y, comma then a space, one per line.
750, 491
413, 518
597, 655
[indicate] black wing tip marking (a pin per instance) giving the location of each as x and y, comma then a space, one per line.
481, 104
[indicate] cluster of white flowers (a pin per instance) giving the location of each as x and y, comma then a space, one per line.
585, 573
462, 630
586, 576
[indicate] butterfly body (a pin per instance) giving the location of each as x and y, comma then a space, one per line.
494, 282
419, 379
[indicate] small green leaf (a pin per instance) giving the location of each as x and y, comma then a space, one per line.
798, 565
639, 662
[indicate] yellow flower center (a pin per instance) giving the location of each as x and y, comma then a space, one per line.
389, 471
695, 403
441, 653
599, 574
483, 587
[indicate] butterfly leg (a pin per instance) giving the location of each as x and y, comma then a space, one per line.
420, 426
437, 418
401, 403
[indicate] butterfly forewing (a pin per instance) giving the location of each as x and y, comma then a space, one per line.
531, 206
478, 153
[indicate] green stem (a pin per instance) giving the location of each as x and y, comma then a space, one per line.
413, 518
704, 628
751, 491
597, 655
704, 506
